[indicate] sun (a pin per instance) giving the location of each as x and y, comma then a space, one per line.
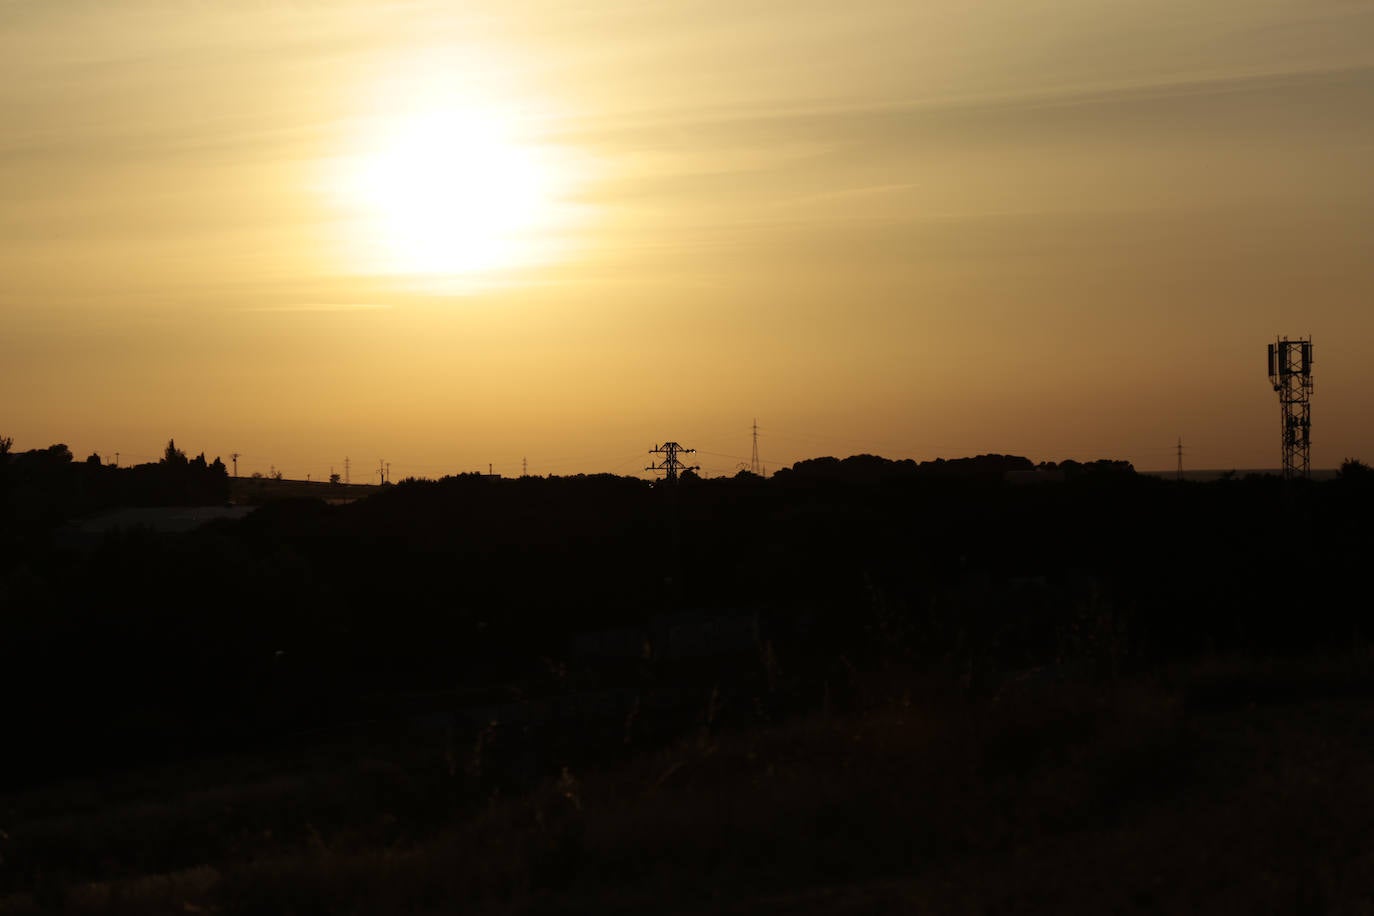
453, 193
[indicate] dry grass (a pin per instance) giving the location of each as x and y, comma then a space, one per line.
1176, 793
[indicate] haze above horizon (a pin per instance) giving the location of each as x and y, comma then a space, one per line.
448, 237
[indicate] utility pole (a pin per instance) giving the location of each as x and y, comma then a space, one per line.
236, 469
381, 472
524, 467
347, 479
387, 479
755, 465
234, 456
1179, 474
671, 466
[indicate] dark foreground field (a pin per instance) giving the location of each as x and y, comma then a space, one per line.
857, 686
1224, 786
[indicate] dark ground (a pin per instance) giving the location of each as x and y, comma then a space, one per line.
859, 686
1223, 786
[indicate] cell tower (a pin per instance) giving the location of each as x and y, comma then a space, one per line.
1290, 372
755, 465
671, 465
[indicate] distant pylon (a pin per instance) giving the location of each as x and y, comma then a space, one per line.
756, 465
346, 477
1180, 458
234, 456
670, 465
1290, 372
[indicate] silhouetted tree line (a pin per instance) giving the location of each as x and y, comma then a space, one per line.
990, 468
304, 614
44, 487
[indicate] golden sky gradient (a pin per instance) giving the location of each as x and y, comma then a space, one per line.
918, 229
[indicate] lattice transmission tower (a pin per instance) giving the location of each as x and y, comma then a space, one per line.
671, 465
1290, 372
755, 464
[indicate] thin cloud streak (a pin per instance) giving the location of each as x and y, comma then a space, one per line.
317, 307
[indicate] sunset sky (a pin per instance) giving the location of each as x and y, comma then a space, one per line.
452, 234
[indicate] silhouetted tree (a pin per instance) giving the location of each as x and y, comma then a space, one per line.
1353, 469
52, 457
173, 456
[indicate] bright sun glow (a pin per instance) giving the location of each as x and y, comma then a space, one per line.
453, 194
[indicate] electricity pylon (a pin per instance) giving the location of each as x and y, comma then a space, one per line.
671, 465
756, 465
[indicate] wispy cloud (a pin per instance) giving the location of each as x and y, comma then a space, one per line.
316, 307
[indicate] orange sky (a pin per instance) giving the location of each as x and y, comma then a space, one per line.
1057, 229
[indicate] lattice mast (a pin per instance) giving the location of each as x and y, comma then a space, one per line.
755, 464
671, 465
1290, 372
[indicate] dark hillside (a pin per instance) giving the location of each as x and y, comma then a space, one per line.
363, 684
305, 614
